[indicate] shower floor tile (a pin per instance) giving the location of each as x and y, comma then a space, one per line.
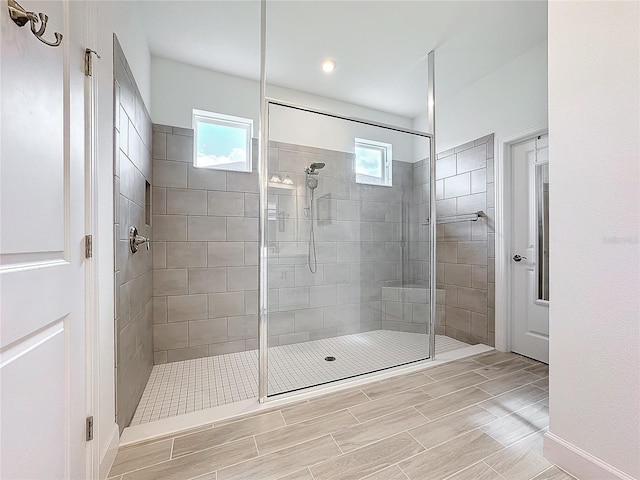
182, 387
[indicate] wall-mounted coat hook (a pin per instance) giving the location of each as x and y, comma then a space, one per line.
20, 17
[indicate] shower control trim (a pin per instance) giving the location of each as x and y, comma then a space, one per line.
135, 240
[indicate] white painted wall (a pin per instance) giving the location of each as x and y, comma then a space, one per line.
305, 128
509, 100
178, 88
111, 17
594, 130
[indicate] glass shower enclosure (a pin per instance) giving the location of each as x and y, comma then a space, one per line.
345, 248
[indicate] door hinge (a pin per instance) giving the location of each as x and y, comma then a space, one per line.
89, 428
88, 61
88, 246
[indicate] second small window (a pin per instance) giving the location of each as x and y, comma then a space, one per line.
373, 162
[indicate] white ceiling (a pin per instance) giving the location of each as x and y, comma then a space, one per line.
380, 46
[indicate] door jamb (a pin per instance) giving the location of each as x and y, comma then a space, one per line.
503, 194
92, 311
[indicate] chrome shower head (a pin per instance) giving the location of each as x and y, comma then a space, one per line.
311, 169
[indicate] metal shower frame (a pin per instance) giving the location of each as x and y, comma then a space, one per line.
265, 103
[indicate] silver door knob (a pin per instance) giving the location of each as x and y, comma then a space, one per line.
517, 258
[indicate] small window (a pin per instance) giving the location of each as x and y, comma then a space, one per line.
221, 141
373, 162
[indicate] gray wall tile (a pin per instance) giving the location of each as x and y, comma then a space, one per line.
170, 282
204, 332
169, 174
159, 202
357, 244
226, 254
179, 354
206, 229
251, 204
159, 309
479, 277
472, 203
180, 148
207, 280
186, 202
242, 229
159, 147
281, 323
170, 336
445, 167
186, 254
227, 347
182, 308
225, 204
309, 319
242, 327
457, 185
242, 278
455, 274
472, 159
472, 253
205, 179
472, 299
169, 228
227, 304
479, 181
133, 278
468, 248
251, 253
242, 182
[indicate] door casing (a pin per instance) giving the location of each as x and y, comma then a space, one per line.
503, 221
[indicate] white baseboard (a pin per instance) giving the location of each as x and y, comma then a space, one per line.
108, 454
579, 463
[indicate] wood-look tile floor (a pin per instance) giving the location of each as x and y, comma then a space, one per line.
482, 417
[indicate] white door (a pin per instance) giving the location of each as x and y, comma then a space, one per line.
42, 208
530, 248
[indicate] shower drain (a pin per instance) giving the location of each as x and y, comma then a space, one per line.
330, 359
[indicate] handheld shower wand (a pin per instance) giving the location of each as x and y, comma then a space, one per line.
312, 183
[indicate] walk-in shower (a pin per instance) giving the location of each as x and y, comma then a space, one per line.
349, 272
309, 265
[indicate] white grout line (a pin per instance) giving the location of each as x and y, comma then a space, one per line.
186, 386
493, 469
337, 445
146, 431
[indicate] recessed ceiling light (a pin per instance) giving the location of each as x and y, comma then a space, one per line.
329, 65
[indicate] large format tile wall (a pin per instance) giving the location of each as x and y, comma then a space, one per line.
205, 253
367, 237
133, 275
358, 233
465, 250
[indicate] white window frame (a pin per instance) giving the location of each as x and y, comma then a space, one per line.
387, 154
203, 116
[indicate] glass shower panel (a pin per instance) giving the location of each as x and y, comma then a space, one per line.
347, 248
